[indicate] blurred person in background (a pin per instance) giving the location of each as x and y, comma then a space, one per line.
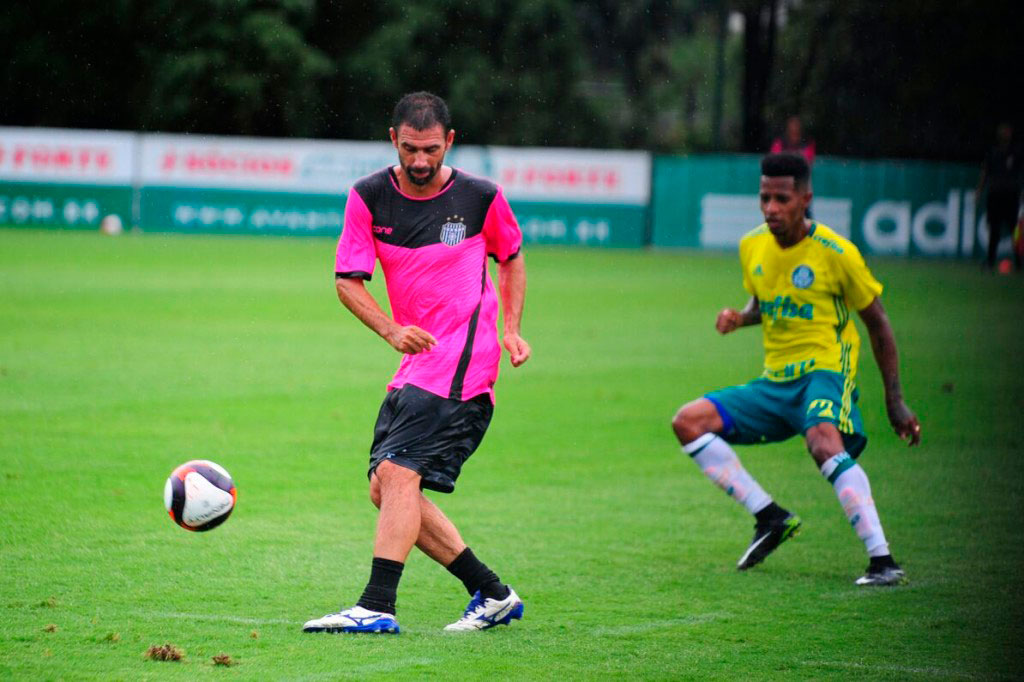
1001, 174
793, 141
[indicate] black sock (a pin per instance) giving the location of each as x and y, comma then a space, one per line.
382, 590
475, 575
772, 512
886, 561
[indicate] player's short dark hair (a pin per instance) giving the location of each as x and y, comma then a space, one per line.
786, 165
421, 110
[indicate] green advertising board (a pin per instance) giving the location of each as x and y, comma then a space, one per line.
62, 205
234, 185
51, 177
680, 183
225, 211
264, 186
581, 224
885, 207
190, 210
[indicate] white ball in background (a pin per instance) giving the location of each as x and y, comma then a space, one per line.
111, 225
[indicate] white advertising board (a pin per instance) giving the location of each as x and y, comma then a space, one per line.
320, 166
725, 218
307, 166
572, 175
52, 155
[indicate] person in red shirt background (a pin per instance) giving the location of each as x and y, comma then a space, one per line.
793, 141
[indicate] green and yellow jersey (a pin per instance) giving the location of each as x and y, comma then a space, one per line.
806, 293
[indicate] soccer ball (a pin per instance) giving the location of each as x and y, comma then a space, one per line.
111, 225
199, 495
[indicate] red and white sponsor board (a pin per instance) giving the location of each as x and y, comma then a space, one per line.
321, 166
308, 166
51, 155
572, 175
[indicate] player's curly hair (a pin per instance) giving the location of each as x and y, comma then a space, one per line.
786, 165
421, 110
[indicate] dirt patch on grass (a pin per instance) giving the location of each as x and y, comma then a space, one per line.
167, 652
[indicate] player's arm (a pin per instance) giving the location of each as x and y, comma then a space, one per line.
731, 319
411, 339
883, 343
512, 284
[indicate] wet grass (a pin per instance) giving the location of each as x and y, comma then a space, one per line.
121, 358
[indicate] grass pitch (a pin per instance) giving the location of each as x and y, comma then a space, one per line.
121, 358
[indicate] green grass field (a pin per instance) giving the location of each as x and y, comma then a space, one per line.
123, 357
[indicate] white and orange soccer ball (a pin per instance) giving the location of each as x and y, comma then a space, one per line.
199, 495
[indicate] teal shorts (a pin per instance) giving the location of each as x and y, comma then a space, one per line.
765, 411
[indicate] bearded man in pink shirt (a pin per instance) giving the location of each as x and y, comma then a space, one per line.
431, 227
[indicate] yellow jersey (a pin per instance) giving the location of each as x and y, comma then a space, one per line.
806, 293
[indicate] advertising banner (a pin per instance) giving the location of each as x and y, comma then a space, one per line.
62, 178
193, 183
575, 196
276, 165
885, 207
246, 185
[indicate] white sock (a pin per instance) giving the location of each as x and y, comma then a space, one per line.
719, 462
851, 485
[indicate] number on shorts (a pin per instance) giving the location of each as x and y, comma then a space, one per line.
825, 408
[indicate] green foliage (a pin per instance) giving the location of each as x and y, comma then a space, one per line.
491, 61
920, 79
911, 79
231, 67
67, 65
121, 358
653, 70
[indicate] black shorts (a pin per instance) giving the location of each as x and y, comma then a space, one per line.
429, 434
1002, 208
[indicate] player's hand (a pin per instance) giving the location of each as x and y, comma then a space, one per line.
518, 350
729, 320
411, 340
904, 422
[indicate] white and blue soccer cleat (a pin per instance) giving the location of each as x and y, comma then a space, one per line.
355, 619
883, 572
482, 614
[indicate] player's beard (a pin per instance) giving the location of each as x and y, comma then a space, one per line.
422, 180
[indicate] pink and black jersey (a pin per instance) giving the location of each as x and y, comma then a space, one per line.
433, 252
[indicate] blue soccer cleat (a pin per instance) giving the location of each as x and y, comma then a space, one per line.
355, 619
482, 614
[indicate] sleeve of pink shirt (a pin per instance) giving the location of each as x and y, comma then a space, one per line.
357, 255
501, 230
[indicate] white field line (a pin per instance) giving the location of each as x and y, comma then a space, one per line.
646, 626
392, 665
905, 669
361, 672
217, 618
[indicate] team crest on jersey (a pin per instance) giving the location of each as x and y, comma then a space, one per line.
803, 277
453, 231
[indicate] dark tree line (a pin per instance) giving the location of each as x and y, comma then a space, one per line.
916, 78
